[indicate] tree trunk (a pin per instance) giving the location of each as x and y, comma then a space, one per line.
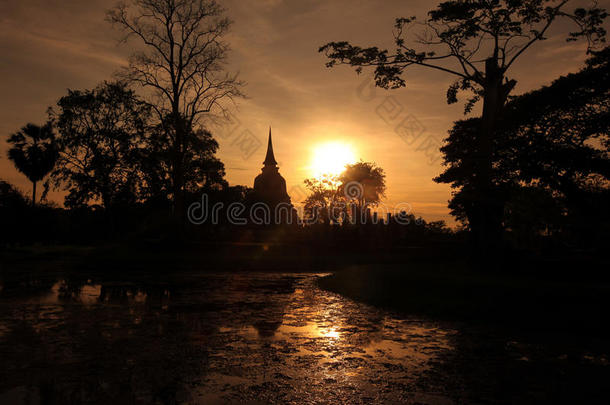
178, 187
488, 207
178, 169
33, 194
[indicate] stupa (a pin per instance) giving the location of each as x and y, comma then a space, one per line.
270, 186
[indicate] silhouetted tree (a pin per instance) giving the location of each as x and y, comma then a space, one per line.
436, 227
101, 137
552, 144
460, 153
532, 211
204, 171
476, 41
14, 214
11, 198
560, 133
183, 64
362, 185
33, 152
320, 202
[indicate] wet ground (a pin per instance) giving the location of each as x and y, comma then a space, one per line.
249, 338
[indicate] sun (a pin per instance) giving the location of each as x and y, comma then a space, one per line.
330, 159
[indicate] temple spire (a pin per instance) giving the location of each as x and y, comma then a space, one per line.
270, 159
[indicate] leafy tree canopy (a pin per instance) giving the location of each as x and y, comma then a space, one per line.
101, 138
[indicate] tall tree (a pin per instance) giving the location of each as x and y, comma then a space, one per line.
477, 41
183, 63
102, 133
33, 152
552, 142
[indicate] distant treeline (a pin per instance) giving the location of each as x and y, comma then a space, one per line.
550, 173
532, 172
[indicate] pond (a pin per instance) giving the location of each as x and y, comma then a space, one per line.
263, 338
213, 338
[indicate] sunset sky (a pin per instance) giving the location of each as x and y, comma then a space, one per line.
52, 45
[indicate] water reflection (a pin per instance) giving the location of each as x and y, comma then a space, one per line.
205, 339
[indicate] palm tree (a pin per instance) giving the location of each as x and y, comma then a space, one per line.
34, 153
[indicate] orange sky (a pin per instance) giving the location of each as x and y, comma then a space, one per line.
51, 45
